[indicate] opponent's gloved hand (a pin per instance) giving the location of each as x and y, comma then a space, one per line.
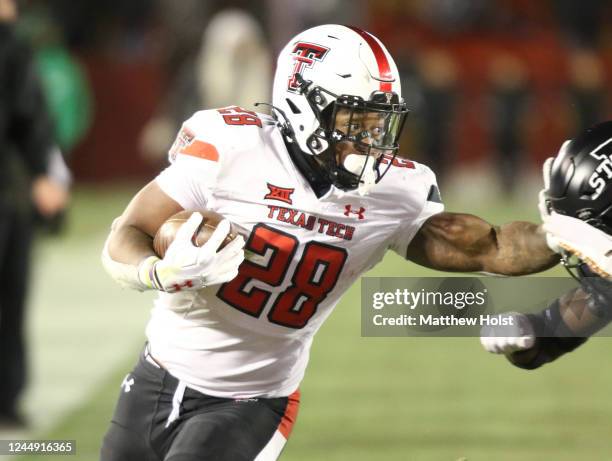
188, 267
515, 334
591, 245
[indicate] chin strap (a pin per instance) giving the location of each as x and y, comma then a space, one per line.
309, 168
286, 127
305, 163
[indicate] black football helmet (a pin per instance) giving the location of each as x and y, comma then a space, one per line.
581, 178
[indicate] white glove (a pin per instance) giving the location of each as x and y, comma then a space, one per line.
588, 243
517, 334
188, 267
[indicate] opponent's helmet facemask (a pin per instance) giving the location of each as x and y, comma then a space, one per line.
339, 89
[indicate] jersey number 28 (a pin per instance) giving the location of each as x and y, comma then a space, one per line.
314, 276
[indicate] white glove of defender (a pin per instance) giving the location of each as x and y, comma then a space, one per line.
588, 243
517, 334
188, 267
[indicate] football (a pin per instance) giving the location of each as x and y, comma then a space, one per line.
167, 231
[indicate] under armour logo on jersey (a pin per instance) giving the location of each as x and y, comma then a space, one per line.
281, 194
348, 210
127, 383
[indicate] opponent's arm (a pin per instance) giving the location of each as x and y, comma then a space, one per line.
562, 327
459, 242
535, 339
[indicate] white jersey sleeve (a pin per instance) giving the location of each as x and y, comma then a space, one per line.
195, 158
432, 204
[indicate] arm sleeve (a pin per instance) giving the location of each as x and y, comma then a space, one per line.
553, 339
599, 289
431, 205
30, 127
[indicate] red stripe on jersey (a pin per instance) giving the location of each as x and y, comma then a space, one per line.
293, 404
201, 149
384, 68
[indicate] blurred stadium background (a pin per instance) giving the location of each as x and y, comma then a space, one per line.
495, 87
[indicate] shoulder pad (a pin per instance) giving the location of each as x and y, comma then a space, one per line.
404, 170
209, 134
406, 178
397, 162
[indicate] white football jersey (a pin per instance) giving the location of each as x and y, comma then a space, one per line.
252, 336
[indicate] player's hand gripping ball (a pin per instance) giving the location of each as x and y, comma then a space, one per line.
198, 249
210, 220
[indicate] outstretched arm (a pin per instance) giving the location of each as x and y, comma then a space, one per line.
458, 242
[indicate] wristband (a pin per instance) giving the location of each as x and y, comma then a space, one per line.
147, 275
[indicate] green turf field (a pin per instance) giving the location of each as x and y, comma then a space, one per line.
363, 398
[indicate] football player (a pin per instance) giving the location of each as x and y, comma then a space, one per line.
320, 195
576, 207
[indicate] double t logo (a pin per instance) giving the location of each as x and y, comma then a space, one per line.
304, 55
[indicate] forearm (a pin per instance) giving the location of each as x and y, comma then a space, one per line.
131, 237
460, 242
128, 254
583, 314
561, 328
544, 351
518, 248
128, 258
553, 338
128, 244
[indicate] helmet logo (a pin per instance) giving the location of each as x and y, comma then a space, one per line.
305, 55
603, 172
